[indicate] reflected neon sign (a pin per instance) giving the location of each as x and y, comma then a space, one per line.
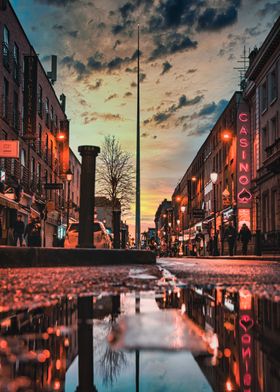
246, 324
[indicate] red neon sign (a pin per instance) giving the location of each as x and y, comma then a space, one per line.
246, 324
244, 195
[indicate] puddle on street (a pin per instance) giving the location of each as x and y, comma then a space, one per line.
191, 339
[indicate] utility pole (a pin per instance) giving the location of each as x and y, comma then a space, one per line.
137, 207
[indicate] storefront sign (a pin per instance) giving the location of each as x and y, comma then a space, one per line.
9, 149
30, 97
244, 195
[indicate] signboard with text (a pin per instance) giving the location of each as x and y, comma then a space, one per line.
30, 97
244, 195
9, 149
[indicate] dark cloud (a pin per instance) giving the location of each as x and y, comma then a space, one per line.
269, 8
126, 10
95, 86
127, 94
58, 27
253, 31
116, 44
192, 70
94, 64
142, 77
166, 66
73, 34
213, 19
172, 43
57, 3
80, 68
94, 116
112, 96
166, 114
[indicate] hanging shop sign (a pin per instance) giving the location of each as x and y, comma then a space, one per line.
9, 149
30, 97
244, 195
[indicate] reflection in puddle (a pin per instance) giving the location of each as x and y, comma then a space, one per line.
185, 339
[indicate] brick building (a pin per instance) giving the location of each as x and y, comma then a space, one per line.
31, 113
262, 93
226, 151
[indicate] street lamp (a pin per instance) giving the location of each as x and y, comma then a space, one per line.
69, 178
183, 209
214, 178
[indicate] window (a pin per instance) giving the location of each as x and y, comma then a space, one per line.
51, 158
47, 149
5, 98
40, 140
264, 141
38, 174
47, 111
274, 209
32, 169
15, 112
263, 97
272, 86
22, 163
16, 63
265, 212
272, 131
40, 101
52, 118
6, 39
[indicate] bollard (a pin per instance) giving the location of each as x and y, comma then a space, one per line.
87, 191
258, 243
117, 227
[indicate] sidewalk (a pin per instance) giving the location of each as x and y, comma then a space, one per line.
237, 257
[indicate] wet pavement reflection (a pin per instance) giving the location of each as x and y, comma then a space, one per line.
186, 338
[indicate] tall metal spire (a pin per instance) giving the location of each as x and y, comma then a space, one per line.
137, 208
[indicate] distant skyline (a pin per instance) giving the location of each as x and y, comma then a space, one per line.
189, 49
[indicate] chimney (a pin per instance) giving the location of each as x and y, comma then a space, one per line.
53, 74
63, 102
3, 5
253, 54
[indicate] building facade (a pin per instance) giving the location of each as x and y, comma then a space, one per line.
31, 114
226, 152
262, 93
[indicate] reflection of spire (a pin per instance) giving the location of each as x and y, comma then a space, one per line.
137, 206
137, 353
85, 345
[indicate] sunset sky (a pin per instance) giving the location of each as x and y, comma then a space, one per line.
189, 49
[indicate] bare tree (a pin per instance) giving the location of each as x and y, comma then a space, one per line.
115, 174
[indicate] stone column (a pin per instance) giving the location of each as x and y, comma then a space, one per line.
87, 191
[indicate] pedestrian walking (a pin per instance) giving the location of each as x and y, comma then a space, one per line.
230, 237
199, 240
29, 232
19, 230
245, 236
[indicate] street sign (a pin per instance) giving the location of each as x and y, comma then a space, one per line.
9, 149
198, 213
53, 185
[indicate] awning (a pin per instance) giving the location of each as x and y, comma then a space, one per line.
8, 203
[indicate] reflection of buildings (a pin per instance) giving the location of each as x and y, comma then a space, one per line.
248, 333
35, 345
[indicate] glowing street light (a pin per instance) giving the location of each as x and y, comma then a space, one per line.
226, 135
